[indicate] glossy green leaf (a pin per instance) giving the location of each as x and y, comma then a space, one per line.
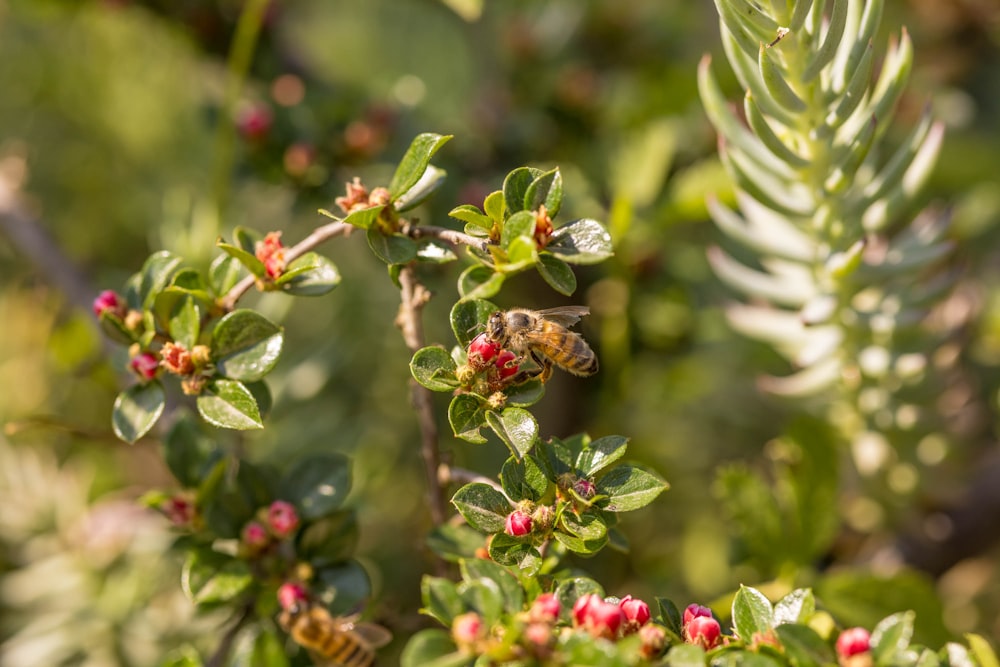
629, 488
364, 218
246, 345
231, 494
556, 273
526, 394
434, 368
229, 404
670, 615
188, 452
224, 273
686, 655
467, 416
547, 190
803, 647
494, 206
523, 479
155, 275
516, 427
521, 223
752, 613
515, 552
329, 540
185, 322
247, 238
415, 161
588, 526
115, 329
309, 275
482, 506
522, 253
479, 282
958, 655
432, 179
262, 394
582, 241
247, 259
210, 578
392, 248
136, 410
515, 188
433, 648
599, 454
469, 317
472, 215
318, 484
892, 636
796, 607
346, 584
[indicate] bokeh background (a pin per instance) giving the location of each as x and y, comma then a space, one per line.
121, 133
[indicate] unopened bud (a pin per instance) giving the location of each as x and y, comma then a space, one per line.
654, 640
518, 524
694, 611
176, 359
585, 488
545, 608
255, 536
145, 365
703, 631
109, 302
282, 518
636, 612
291, 595
603, 619
253, 121
466, 630
853, 641
179, 510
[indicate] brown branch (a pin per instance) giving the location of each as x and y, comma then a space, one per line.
448, 474
319, 235
450, 235
413, 296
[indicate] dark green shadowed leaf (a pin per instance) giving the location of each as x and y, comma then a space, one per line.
392, 248
547, 189
803, 646
467, 416
468, 319
317, 485
454, 542
268, 650
482, 506
556, 273
136, 410
515, 552
516, 427
507, 583
629, 488
515, 188
246, 345
185, 322
247, 238
188, 451
582, 241
441, 599
434, 368
229, 404
415, 161
329, 540
211, 578
309, 275
524, 395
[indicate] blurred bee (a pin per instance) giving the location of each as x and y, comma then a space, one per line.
544, 336
333, 641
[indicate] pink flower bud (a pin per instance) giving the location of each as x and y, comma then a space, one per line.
581, 608
179, 510
654, 640
604, 619
271, 252
703, 631
254, 121
291, 595
506, 363
518, 524
852, 642
108, 301
255, 535
636, 611
481, 351
466, 629
585, 488
282, 518
538, 634
694, 611
145, 365
545, 608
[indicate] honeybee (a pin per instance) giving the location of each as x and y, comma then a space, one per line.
333, 641
544, 336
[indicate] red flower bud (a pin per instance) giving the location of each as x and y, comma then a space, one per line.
852, 642
636, 611
144, 365
291, 595
109, 301
271, 252
603, 619
179, 510
255, 535
282, 518
466, 629
254, 121
694, 611
518, 524
702, 630
585, 488
581, 608
507, 364
545, 608
654, 640
481, 351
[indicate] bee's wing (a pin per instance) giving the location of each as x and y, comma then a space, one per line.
374, 635
566, 316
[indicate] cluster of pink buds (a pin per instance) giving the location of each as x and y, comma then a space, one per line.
278, 522
610, 620
485, 355
854, 648
700, 627
358, 198
271, 252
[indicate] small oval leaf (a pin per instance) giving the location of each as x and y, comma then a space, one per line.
246, 345
136, 410
229, 404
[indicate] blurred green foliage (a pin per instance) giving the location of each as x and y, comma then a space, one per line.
110, 115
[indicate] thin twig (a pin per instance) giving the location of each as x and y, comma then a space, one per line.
448, 474
319, 235
413, 296
450, 235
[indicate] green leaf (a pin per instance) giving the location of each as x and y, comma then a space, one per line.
515, 552
467, 415
515, 188
364, 218
484, 597
546, 189
346, 584
329, 540
185, 656
802, 646
982, 651
599, 454
494, 206
247, 238
433, 648
224, 273
556, 273
522, 253
309, 275
468, 319
229, 404
629, 488
958, 655
686, 655
188, 452
441, 599
426, 185
318, 484
230, 495
136, 410
155, 275
670, 616
516, 427
891, 637
185, 322
557, 457
482, 506
247, 259
479, 282
414, 163
796, 607
568, 591
392, 248
434, 368
452, 543
507, 583
752, 613
115, 329
246, 345
521, 223
211, 578
582, 241
267, 651
262, 395
523, 479
523, 395
432, 251
590, 528
752, 508
471, 215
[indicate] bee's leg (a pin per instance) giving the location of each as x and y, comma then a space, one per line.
545, 364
